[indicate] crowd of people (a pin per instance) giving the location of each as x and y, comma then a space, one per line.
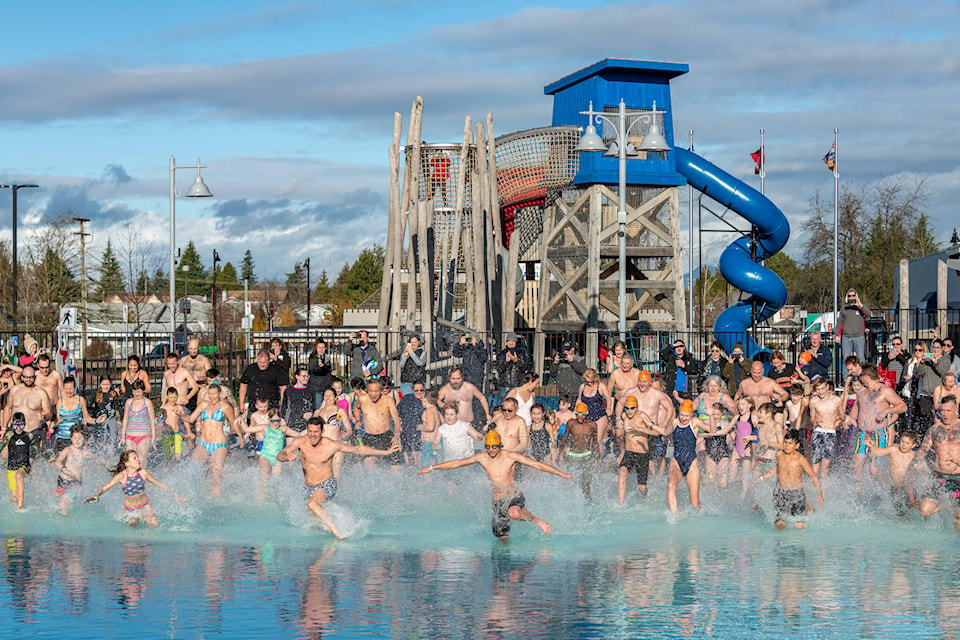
726, 420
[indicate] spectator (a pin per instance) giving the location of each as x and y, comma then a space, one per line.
715, 362
852, 327
954, 358
893, 364
922, 379
411, 408
365, 360
280, 356
474, 362
513, 362
736, 370
941, 360
567, 369
679, 370
320, 369
413, 363
816, 363
781, 371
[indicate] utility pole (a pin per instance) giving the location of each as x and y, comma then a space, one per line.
306, 263
83, 280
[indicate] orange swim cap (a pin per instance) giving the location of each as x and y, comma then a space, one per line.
805, 357
492, 439
631, 401
686, 406
582, 408
645, 375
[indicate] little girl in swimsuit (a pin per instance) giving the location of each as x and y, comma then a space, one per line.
132, 479
271, 439
743, 437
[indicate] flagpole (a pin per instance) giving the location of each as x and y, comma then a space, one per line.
690, 238
836, 226
763, 162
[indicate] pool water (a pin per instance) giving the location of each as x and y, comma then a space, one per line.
421, 563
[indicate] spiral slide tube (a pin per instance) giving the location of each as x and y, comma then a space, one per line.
766, 289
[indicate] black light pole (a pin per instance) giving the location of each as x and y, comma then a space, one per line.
13, 191
306, 263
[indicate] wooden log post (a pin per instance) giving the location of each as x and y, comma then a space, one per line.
458, 213
510, 285
942, 298
904, 302
479, 257
393, 221
424, 269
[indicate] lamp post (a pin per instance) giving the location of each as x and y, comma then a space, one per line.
197, 190
306, 263
621, 147
185, 307
13, 192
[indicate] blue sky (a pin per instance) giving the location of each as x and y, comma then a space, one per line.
291, 104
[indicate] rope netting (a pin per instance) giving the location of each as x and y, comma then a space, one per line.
532, 161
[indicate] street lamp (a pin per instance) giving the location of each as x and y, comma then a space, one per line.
13, 192
213, 294
306, 263
197, 190
621, 147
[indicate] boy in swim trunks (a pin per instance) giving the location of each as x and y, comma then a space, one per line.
170, 418
70, 463
789, 498
18, 452
826, 414
874, 415
904, 467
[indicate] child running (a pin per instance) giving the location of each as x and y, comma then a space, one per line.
70, 463
132, 479
169, 420
271, 439
903, 465
18, 452
789, 498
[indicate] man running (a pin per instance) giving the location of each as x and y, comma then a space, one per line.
30, 400
637, 427
378, 411
658, 405
944, 439
761, 388
182, 380
316, 456
874, 415
508, 500
196, 364
463, 393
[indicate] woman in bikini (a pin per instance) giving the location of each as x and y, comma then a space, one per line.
132, 374
133, 479
211, 435
139, 427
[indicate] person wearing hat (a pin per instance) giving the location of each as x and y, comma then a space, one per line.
513, 362
684, 463
636, 428
659, 407
579, 448
567, 368
851, 327
500, 465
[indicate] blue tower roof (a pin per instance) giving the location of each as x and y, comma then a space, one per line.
639, 83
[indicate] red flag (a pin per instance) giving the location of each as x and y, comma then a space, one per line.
759, 157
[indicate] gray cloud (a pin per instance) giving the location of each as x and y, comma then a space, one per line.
116, 173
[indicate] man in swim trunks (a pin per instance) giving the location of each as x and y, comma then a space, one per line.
658, 405
579, 448
944, 439
624, 381
789, 498
826, 414
316, 457
377, 411
48, 378
874, 415
463, 393
761, 388
197, 365
30, 400
182, 380
636, 427
508, 502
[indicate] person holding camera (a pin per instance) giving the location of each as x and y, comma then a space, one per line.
852, 327
413, 366
567, 369
365, 360
736, 370
922, 378
513, 362
474, 363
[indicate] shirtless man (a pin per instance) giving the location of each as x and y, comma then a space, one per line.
826, 414
512, 428
659, 407
944, 439
874, 415
761, 388
500, 465
181, 379
316, 456
48, 379
578, 446
377, 412
624, 380
30, 400
637, 427
463, 393
195, 363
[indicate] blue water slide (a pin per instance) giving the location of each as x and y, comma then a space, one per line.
765, 288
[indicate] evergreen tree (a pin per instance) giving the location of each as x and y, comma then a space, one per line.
110, 282
322, 292
296, 285
197, 277
246, 269
922, 242
159, 284
359, 280
227, 277
61, 283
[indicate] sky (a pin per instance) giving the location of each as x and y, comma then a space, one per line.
290, 104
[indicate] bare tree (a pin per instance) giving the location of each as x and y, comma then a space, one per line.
138, 260
49, 280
